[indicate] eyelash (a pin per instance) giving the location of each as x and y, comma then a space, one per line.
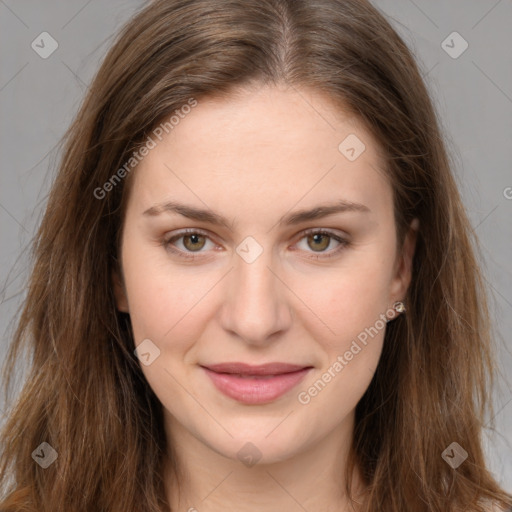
168, 242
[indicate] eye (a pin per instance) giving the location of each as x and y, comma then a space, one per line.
194, 240
319, 240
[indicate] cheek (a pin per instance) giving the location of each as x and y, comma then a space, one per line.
351, 334
163, 306
352, 304
171, 311
346, 300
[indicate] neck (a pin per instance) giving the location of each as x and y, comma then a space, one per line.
312, 479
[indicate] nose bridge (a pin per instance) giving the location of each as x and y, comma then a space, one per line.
255, 306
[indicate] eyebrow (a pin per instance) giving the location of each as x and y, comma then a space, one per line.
205, 215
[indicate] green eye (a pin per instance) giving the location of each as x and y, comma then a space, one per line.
194, 242
317, 241
320, 241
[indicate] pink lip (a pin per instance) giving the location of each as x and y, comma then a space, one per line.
255, 384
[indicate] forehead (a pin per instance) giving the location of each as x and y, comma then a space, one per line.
265, 146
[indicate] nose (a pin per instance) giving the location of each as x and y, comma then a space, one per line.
255, 308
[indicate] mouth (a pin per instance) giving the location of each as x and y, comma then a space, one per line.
250, 384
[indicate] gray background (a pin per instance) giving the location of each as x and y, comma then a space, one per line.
473, 94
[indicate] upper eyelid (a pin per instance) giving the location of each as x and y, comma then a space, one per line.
189, 231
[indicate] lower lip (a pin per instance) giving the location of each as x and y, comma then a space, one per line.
255, 390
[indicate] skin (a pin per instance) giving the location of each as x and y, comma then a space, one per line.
261, 154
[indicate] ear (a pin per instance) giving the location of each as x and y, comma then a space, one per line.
403, 267
119, 292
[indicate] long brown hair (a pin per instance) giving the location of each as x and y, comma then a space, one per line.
85, 394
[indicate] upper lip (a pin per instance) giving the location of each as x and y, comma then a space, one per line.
263, 369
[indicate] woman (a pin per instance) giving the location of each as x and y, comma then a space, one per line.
254, 284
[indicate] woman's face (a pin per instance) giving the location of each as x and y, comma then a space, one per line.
262, 276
